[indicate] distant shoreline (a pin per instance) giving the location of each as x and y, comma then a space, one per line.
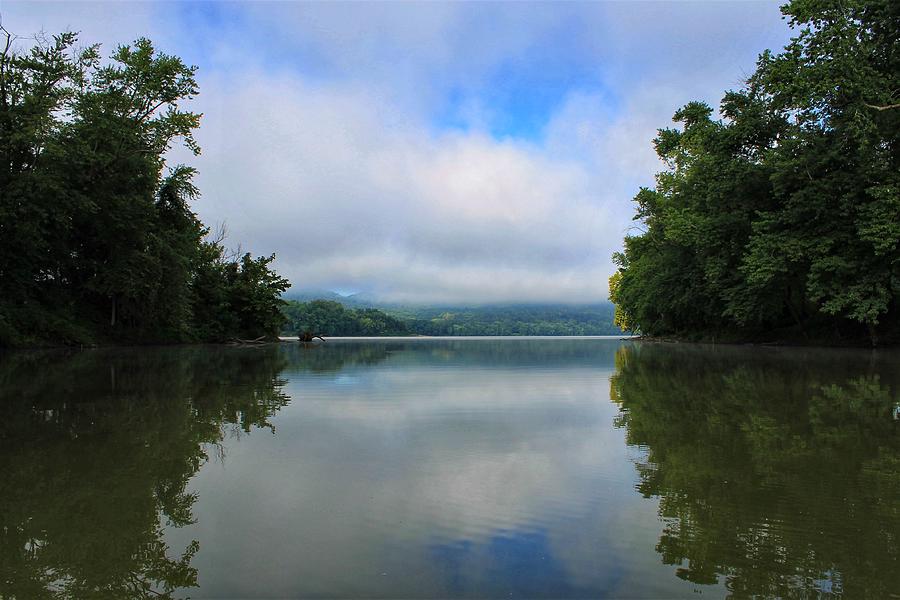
463, 337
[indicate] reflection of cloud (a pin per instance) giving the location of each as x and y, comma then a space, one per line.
374, 395
379, 473
434, 151
486, 430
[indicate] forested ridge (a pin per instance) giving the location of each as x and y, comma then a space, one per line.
331, 317
780, 220
550, 319
327, 317
98, 241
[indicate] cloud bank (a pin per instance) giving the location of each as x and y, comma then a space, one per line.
434, 152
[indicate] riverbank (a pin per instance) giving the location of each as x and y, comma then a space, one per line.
787, 341
296, 339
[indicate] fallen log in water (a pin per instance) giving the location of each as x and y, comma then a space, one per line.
308, 336
238, 341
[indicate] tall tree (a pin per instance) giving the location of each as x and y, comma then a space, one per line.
783, 217
98, 240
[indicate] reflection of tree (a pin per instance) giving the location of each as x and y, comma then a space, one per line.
335, 355
778, 470
96, 450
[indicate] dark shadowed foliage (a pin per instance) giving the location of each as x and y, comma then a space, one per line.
97, 238
781, 220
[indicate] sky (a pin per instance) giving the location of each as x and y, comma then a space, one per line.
430, 152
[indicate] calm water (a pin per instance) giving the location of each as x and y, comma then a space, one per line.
450, 468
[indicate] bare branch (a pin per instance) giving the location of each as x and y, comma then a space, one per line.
885, 107
220, 235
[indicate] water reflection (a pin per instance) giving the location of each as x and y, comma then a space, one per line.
96, 449
777, 471
512, 352
449, 468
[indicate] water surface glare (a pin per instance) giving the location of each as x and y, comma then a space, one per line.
508, 467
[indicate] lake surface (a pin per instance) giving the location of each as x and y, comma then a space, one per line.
450, 468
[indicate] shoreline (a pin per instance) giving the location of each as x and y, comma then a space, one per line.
294, 339
859, 344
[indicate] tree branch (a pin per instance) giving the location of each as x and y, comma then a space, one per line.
885, 107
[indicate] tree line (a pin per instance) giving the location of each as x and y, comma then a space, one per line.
98, 241
328, 317
514, 320
781, 219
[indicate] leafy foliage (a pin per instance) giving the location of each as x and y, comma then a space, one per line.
327, 317
333, 318
783, 217
97, 237
510, 320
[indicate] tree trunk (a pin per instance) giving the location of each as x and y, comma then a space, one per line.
873, 335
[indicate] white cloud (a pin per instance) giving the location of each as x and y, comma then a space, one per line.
315, 174
320, 141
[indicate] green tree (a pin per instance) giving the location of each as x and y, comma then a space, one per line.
255, 296
782, 218
327, 317
97, 237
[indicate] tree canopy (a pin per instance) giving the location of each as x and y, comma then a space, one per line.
782, 217
330, 317
98, 241
327, 317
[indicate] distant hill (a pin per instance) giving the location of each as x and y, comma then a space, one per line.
310, 295
507, 319
329, 317
359, 300
528, 319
